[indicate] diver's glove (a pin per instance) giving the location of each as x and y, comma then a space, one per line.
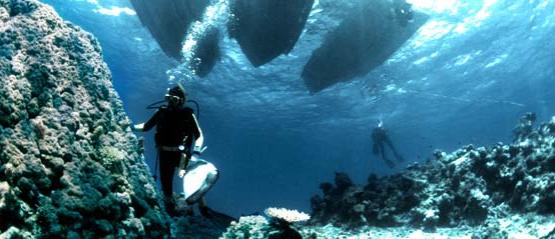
195, 156
197, 150
137, 127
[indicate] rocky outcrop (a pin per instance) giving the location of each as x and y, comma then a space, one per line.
279, 223
467, 186
248, 227
69, 165
258, 227
198, 227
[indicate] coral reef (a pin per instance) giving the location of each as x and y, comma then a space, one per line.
198, 227
500, 192
252, 227
277, 225
516, 226
69, 165
465, 188
258, 227
287, 215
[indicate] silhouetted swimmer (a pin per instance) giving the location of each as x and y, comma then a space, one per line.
379, 137
403, 12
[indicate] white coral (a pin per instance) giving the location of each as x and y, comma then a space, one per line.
286, 214
4, 189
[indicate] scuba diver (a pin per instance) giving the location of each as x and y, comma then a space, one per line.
179, 140
402, 12
379, 137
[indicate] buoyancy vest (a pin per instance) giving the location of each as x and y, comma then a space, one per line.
176, 127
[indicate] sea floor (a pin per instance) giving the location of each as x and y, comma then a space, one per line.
513, 227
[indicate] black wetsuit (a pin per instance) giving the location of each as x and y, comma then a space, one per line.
403, 12
380, 137
174, 127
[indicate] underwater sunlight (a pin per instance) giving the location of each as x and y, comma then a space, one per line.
277, 119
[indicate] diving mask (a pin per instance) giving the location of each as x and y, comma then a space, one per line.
174, 100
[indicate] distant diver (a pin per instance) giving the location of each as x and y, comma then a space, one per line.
403, 12
177, 130
379, 138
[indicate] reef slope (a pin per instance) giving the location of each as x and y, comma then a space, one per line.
69, 165
504, 191
477, 187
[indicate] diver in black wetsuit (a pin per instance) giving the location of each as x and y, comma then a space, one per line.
403, 12
379, 137
177, 129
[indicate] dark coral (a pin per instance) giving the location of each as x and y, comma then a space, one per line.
464, 187
282, 229
69, 165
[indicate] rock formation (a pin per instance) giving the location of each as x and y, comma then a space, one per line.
258, 227
279, 223
69, 165
466, 187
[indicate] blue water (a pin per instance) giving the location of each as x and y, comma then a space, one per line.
465, 77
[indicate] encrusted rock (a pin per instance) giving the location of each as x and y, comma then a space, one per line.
70, 167
258, 227
463, 187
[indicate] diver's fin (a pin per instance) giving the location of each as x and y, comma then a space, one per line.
217, 217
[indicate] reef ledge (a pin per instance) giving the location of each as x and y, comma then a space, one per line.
69, 165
